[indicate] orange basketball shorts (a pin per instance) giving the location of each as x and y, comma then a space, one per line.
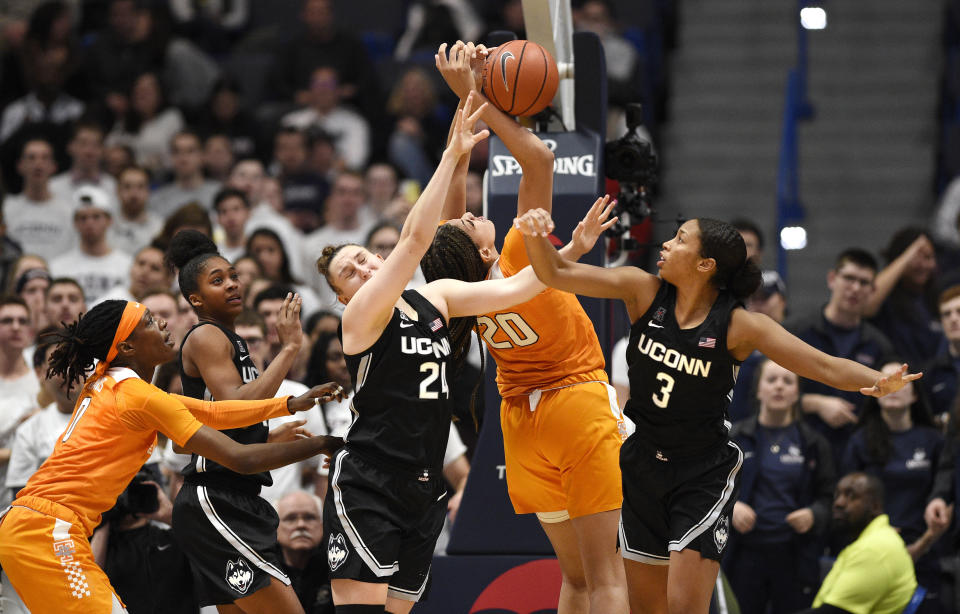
51, 566
562, 449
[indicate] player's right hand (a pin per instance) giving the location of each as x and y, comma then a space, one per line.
534, 223
289, 328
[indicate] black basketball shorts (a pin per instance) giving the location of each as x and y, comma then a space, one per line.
230, 539
382, 525
674, 505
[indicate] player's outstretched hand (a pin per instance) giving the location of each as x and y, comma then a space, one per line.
289, 431
534, 223
593, 224
462, 138
323, 393
891, 383
289, 328
456, 68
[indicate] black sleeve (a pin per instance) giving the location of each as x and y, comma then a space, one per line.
825, 480
943, 480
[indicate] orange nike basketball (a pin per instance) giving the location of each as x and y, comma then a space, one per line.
520, 78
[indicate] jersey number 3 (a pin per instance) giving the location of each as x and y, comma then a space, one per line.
662, 398
514, 327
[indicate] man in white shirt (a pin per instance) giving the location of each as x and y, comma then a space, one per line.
189, 184
134, 226
18, 383
350, 131
36, 218
35, 438
233, 211
64, 301
347, 221
86, 153
95, 265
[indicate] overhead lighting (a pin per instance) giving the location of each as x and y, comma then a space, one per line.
793, 237
813, 18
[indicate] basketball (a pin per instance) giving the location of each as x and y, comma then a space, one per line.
520, 78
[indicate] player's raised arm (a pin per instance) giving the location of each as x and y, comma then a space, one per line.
634, 287
536, 160
369, 309
754, 331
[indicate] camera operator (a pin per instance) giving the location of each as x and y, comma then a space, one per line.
632, 162
135, 547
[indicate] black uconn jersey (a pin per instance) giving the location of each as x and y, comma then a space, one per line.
680, 380
402, 406
196, 388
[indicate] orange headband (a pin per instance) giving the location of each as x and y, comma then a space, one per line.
132, 314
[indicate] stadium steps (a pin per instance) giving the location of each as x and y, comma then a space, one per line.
866, 158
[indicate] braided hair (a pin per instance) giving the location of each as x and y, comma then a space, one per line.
454, 255
189, 251
723, 242
84, 340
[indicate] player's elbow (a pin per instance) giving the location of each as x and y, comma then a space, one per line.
540, 160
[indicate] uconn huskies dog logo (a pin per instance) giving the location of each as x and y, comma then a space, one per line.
720, 532
239, 575
336, 551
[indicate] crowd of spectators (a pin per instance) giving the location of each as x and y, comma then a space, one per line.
123, 122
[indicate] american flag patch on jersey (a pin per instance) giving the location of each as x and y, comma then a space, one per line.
436, 325
707, 342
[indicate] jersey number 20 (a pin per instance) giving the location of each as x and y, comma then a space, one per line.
514, 327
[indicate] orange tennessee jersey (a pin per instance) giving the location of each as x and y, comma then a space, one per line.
112, 433
546, 342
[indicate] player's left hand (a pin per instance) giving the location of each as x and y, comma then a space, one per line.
593, 224
324, 393
891, 383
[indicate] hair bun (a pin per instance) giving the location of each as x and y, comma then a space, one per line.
187, 245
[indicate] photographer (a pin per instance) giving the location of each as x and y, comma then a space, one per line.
135, 547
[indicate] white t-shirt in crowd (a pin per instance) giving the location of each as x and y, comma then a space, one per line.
34, 442
18, 396
288, 479
97, 275
63, 185
41, 228
350, 132
129, 237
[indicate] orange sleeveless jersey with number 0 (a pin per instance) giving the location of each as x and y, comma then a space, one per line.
546, 342
112, 433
